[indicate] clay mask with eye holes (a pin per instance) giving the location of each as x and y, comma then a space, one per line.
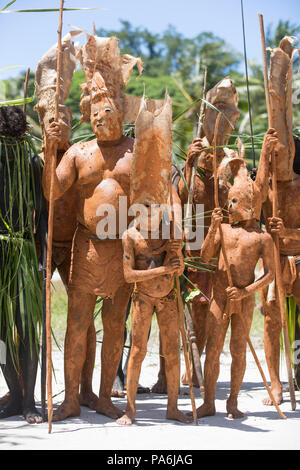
106, 120
244, 202
241, 201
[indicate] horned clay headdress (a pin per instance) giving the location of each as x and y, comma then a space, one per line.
46, 77
107, 73
244, 188
224, 97
152, 153
281, 105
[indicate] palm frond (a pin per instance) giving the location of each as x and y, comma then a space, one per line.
45, 10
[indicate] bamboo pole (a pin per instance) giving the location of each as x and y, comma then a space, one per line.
230, 282
50, 229
275, 236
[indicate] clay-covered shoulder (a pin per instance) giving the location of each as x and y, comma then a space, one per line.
81, 150
266, 240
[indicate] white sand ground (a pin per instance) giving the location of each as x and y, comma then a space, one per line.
261, 428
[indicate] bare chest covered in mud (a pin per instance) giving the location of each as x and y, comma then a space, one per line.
243, 250
146, 258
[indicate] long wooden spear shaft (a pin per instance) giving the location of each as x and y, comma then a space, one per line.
50, 228
227, 267
195, 164
189, 211
275, 236
181, 322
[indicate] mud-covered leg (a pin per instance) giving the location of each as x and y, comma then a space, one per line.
167, 317
142, 312
217, 328
238, 347
119, 383
113, 317
87, 397
272, 330
80, 315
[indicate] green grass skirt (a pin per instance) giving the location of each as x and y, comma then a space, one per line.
20, 287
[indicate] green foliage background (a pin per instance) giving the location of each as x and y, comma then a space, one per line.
177, 63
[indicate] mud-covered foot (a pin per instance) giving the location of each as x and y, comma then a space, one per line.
107, 408
125, 420
11, 409
160, 387
234, 413
88, 399
204, 410
4, 400
32, 416
177, 415
277, 394
66, 410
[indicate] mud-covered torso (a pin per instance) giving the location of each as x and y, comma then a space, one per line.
146, 258
101, 179
243, 248
288, 210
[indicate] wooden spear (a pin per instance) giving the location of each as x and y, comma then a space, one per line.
185, 348
227, 267
189, 211
181, 322
195, 164
275, 236
50, 228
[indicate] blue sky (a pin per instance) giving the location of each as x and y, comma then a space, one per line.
25, 37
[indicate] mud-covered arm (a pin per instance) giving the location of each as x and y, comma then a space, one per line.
235, 293
211, 243
131, 274
194, 151
262, 176
65, 174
